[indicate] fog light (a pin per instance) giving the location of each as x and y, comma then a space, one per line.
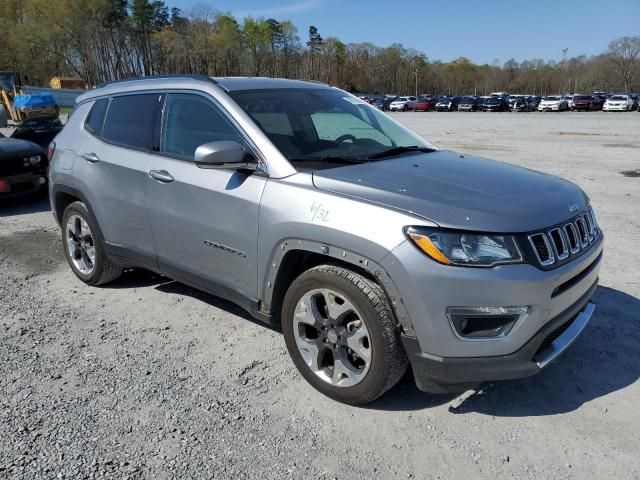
485, 323
42, 180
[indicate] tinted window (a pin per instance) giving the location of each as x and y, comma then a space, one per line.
313, 125
131, 120
95, 119
191, 121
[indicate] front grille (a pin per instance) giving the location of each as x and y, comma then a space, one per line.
14, 166
558, 243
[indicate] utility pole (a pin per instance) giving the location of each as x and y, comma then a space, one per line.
416, 81
564, 63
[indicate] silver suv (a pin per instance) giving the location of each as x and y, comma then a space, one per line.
315, 211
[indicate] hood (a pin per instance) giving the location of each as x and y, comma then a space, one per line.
550, 101
11, 148
459, 191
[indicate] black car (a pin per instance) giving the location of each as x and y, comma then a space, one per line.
382, 103
496, 104
23, 167
468, 104
520, 104
448, 104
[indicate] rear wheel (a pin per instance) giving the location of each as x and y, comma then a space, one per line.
84, 248
340, 332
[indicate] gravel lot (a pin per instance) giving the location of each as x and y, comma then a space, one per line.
147, 378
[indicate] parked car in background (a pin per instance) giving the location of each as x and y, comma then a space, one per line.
473, 271
586, 103
424, 104
496, 103
569, 100
534, 101
448, 104
636, 100
23, 167
520, 104
552, 103
512, 99
383, 103
618, 103
468, 104
402, 104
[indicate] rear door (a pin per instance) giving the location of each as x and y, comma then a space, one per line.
112, 167
204, 221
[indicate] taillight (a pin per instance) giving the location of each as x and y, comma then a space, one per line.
52, 148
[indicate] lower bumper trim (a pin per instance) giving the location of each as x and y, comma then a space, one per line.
450, 374
563, 342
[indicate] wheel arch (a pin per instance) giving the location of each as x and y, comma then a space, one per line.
294, 256
62, 196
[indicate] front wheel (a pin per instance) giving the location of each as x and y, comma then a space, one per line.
340, 332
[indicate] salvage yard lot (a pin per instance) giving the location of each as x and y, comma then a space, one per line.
147, 378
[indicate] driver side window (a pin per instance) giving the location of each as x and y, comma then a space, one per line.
331, 126
192, 120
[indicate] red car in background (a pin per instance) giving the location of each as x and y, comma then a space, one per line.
587, 102
424, 104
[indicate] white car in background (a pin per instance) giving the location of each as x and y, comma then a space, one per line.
618, 103
569, 99
402, 104
553, 104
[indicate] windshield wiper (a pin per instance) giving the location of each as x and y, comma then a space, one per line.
399, 150
329, 159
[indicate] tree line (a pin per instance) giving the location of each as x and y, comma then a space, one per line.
102, 40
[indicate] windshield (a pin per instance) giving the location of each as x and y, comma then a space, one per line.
553, 99
7, 82
581, 97
618, 97
325, 126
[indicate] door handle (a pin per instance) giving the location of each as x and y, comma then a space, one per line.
91, 157
161, 175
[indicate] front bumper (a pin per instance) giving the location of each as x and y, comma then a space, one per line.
441, 375
549, 108
615, 108
428, 289
23, 184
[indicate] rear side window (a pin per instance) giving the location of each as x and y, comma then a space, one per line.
95, 119
131, 120
192, 120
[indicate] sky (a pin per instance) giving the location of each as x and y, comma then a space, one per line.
482, 31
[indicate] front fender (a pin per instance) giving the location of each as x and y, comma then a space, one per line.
294, 215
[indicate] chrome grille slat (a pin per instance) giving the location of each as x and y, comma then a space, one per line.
582, 231
545, 256
563, 251
572, 237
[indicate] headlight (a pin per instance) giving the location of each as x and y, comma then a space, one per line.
465, 249
35, 160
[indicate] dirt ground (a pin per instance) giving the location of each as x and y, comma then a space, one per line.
147, 378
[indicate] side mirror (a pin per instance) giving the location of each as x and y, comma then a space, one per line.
223, 154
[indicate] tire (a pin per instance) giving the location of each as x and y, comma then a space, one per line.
102, 269
3, 117
371, 310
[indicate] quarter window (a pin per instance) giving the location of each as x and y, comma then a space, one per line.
131, 120
95, 119
192, 120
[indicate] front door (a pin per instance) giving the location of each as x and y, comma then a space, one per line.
204, 221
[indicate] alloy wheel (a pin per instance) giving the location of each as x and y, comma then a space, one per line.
332, 337
80, 244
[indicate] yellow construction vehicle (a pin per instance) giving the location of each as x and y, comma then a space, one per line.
18, 105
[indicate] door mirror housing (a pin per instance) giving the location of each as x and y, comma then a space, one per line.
223, 154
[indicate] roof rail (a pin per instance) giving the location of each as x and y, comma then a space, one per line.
159, 77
